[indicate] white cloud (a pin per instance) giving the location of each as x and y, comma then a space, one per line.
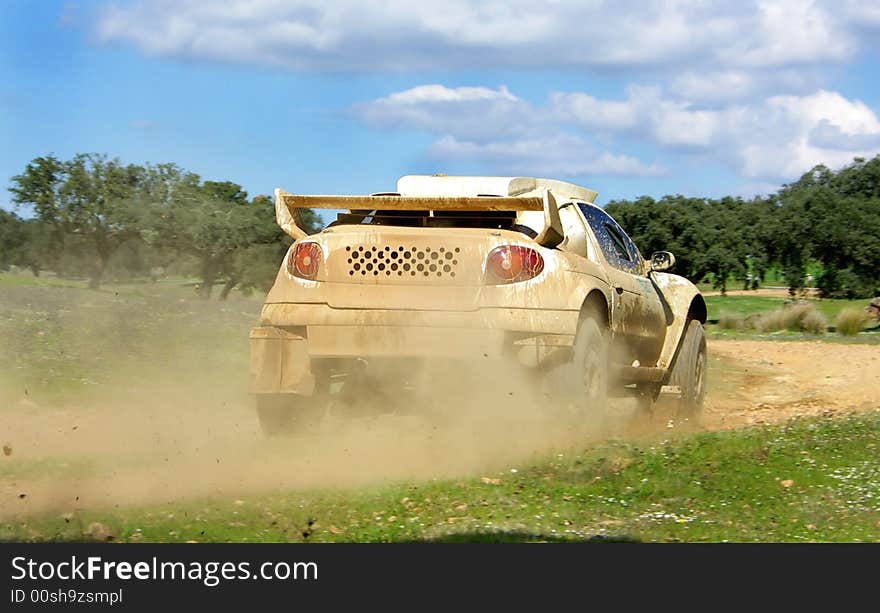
401, 35
864, 13
495, 126
852, 117
590, 111
557, 156
439, 93
826, 135
774, 138
741, 84
668, 122
734, 85
714, 86
779, 136
785, 32
472, 111
788, 135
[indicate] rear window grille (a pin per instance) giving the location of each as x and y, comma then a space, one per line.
400, 260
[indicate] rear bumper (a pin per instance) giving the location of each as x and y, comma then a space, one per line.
537, 321
403, 342
293, 335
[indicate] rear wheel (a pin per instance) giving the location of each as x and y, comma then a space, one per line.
288, 413
689, 371
590, 372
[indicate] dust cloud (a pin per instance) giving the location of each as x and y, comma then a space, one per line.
115, 401
156, 442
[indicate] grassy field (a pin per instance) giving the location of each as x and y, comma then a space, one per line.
60, 340
808, 480
750, 305
747, 305
63, 347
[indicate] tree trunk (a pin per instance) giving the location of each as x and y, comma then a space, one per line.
96, 276
206, 288
209, 277
98, 272
228, 287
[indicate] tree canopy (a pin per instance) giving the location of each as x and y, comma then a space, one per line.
91, 208
826, 218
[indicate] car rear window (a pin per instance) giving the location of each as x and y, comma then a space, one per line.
499, 220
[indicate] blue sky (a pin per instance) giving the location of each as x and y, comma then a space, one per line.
628, 98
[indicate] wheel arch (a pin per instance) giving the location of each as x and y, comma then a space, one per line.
697, 309
595, 305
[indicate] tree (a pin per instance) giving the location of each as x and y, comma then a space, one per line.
760, 238
86, 200
12, 238
256, 265
225, 191
833, 219
213, 222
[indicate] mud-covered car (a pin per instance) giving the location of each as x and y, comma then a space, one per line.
478, 269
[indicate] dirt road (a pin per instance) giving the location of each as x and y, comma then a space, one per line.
774, 381
176, 444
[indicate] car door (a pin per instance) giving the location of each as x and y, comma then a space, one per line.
637, 313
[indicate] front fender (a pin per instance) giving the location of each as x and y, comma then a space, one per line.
682, 301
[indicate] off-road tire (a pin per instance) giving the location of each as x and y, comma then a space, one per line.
590, 373
287, 413
689, 371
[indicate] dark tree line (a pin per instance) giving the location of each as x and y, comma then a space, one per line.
92, 214
828, 221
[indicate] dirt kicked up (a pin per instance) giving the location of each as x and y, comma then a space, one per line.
169, 444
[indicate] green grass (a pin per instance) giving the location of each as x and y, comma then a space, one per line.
747, 305
60, 340
809, 480
14, 280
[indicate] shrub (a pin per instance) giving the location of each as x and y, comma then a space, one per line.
731, 321
851, 321
771, 321
797, 317
794, 315
814, 322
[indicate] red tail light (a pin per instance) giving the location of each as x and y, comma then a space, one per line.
305, 260
512, 263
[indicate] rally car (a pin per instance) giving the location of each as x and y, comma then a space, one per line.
521, 269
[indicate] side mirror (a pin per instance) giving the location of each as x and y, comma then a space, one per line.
662, 260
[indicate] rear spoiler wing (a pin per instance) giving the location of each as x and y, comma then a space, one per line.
287, 207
